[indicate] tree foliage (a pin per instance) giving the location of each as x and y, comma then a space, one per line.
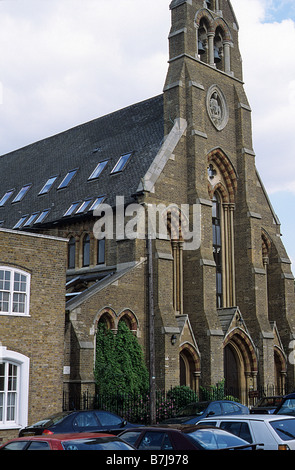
119, 365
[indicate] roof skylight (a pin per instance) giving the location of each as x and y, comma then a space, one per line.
47, 186
97, 202
67, 179
85, 204
20, 222
121, 163
42, 216
98, 170
72, 208
21, 194
6, 196
31, 219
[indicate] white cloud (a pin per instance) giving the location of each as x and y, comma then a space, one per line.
269, 71
64, 62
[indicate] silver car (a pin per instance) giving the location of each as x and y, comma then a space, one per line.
274, 432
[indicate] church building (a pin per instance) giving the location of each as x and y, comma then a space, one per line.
219, 308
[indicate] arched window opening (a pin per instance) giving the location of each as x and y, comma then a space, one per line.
217, 248
86, 250
101, 251
218, 49
174, 221
71, 253
203, 50
222, 185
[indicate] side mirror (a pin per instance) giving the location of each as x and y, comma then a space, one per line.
211, 413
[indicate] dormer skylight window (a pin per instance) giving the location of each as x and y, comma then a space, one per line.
98, 170
67, 179
47, 186
121, 163
6, 196
22, 193
42, 216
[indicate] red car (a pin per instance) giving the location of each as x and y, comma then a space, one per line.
74, 441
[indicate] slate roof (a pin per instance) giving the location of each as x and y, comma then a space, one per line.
138, 129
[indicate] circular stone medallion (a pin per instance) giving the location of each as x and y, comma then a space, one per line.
217, 107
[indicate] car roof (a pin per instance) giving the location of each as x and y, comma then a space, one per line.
252, 417
186, 428
62, 437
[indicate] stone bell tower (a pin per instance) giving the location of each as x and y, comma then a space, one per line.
228, 283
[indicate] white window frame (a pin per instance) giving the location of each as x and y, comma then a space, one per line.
22, 393
11, 292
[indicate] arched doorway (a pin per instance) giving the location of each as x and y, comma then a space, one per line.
231, 371
280, 371
240, 365
189, 367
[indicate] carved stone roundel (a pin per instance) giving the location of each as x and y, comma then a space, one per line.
217, 107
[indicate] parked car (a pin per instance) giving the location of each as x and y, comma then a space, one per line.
275, 432
77, 421
287, 406
194, 412
178, 437
74, 441
267, 405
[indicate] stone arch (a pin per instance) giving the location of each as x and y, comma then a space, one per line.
130, 319
227, 171
266, 246
221, 25
219, 188
108, 316
242, 350
280, 372
205, 15
190, 366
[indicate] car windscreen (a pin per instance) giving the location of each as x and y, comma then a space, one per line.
285, 428
288, 407
193, 409
51, 420
97, 443
215, 439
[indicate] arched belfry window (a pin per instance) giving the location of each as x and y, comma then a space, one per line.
213, 40
222, 184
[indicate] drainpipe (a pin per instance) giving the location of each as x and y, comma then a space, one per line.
151, 326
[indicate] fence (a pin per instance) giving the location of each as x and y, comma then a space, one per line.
135, 407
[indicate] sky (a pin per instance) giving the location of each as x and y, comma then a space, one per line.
65, 62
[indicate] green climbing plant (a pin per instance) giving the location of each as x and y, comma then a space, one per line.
119, 365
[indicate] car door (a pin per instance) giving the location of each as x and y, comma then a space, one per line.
155, 440
110, 422
238, 428
86, 421
213, 409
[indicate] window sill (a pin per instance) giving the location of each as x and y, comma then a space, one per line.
7, 314
4, 427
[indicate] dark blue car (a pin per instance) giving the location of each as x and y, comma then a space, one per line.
287, 407
78, 421
196, 411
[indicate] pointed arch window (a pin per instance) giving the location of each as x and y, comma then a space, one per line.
222, 188
86, 250
71, 253
217, 247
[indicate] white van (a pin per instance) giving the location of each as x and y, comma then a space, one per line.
275, 432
